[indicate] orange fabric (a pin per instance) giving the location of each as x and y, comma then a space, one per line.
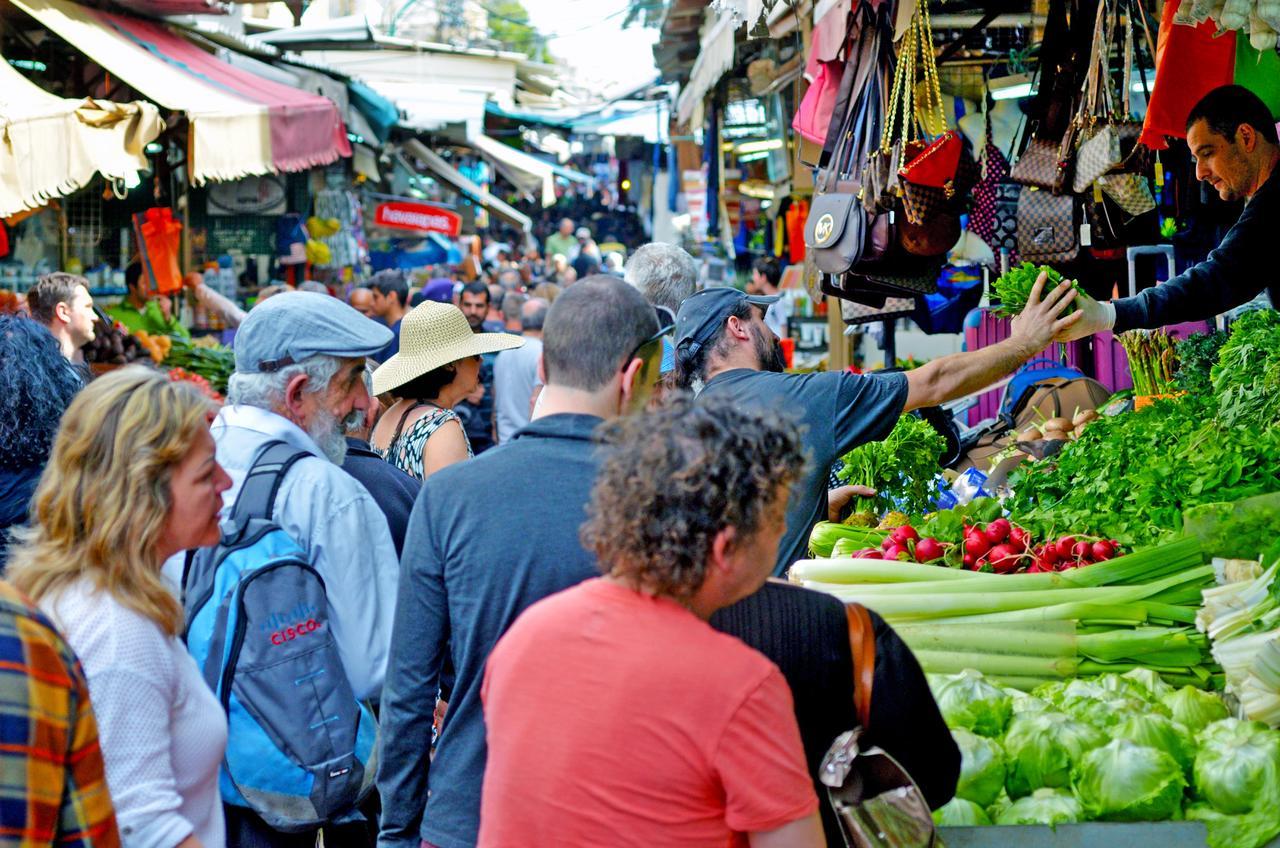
1190, 62
618, 719
797, 214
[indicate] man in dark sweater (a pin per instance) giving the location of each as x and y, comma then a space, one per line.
469, 570
1234, 141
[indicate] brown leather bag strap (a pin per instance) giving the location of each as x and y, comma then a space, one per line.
862, 644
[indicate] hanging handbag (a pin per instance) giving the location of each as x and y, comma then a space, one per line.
1131, 192
935, 177
1048, 227
836, 228
876, 802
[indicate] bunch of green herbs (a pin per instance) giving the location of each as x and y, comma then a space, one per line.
1013, 288
1246, 380
901, 468
1197, 354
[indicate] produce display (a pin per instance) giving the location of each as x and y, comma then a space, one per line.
1060, 429
1135, 611
1121, 747
199, 382
206, 358
112, 344
1197, 354
901, 469
1013, 288
1153, 361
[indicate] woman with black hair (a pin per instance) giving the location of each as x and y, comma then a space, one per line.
436, 366
36, 386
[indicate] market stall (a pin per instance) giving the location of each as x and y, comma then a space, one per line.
1102, 630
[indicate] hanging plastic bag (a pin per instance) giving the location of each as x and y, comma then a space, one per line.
159, 239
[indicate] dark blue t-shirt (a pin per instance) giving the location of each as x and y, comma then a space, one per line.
470, 567
837, 411
391, 489
392, 348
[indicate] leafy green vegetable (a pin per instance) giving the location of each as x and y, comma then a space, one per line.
1131, 476
960, 812
901, 468
1126, 782
1197, 354
1157, 731
1250, 830
1042, 748
1194, 708
215, 364
1239, 774
1246, 379
968, 701
1044, 806
1013, 288
982, 770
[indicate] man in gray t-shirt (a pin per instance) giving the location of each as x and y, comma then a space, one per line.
516, 376
725, 348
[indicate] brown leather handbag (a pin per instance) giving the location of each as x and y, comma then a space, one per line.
875, 800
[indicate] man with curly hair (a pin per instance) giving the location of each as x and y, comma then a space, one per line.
616, 715
724, 348
472, 565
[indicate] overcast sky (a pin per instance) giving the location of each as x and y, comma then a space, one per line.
589, 35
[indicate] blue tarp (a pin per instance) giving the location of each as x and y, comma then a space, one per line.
380, 112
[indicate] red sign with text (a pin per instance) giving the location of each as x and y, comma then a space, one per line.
422, 217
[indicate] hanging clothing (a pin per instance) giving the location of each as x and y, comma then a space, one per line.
1190, 62
797, 214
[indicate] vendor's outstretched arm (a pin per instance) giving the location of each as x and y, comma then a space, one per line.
1232, 274
960, 374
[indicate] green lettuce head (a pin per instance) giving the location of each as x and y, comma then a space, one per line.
1156, 731
1229, 728
969, 701
1126, 782
960, 812
1149, 683
1239, 773
1044, 806
1041, 749
1245, 831
981, 767
1194, 708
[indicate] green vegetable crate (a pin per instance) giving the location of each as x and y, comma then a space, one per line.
1182, 834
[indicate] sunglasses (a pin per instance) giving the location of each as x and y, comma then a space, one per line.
646, 349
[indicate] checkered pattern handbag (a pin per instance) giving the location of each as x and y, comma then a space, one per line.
1048, 227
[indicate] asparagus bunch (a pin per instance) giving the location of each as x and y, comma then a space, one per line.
1153, 360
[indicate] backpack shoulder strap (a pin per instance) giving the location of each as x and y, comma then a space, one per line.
862, 642
257, 496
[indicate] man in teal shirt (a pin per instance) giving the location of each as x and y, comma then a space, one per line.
140, 311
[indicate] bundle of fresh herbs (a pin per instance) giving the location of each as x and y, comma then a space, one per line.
1197, 354
1013, 288
1246, 379
901, 468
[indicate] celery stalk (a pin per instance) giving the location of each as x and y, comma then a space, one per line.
954, 662
1050, 641
854, 571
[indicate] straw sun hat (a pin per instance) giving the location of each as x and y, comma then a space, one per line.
433, 335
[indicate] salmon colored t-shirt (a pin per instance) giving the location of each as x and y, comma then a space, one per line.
614, 718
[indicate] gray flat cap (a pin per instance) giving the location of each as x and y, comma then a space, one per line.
289, 327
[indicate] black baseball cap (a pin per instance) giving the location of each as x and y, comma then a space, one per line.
702, 313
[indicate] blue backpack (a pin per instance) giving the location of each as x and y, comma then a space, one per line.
300, 746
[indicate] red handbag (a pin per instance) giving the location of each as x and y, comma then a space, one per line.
937, 164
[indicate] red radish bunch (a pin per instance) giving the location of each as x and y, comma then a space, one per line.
1072, 552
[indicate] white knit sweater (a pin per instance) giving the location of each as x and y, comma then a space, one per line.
162, 731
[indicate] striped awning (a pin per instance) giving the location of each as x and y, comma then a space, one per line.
241, 123
50, 146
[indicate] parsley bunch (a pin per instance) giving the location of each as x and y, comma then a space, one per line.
901, 468
1246, 379
1013, 288
1197, 354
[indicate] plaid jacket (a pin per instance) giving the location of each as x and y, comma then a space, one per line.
53, 790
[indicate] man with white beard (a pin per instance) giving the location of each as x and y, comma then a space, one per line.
300, 361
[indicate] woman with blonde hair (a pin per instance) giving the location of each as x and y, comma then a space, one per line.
131, 481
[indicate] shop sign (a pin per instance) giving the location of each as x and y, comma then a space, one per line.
422, 217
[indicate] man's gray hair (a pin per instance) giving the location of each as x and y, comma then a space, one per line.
664, 273
512, 305
266, 390
534, 314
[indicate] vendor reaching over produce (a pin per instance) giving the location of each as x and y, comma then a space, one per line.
724, 347
1233, 139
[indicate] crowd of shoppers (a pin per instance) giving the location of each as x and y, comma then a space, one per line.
569, 637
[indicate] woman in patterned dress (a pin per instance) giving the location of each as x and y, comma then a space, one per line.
437, 366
